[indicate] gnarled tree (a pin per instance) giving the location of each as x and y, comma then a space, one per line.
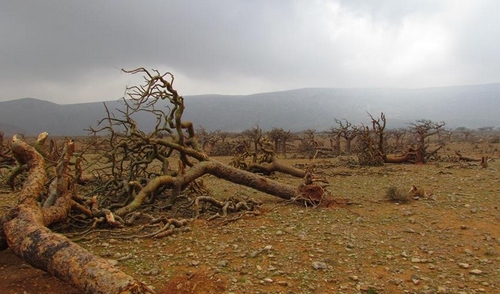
139, 167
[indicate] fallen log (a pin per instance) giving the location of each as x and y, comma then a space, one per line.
25, 231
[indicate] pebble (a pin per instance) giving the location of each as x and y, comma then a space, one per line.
112, 261
283, 283
268, 280
222, 263
254, 254
319, 265
476, 272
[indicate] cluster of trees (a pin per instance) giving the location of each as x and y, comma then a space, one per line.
373, 143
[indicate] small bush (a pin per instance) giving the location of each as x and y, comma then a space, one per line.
397, 195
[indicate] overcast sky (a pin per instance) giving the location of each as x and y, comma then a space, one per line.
72, 51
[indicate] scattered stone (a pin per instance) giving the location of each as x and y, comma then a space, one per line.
319, 265
464, 265
113, 262
354, 278
194, 262
283, 283
476, 272
490, 252
441, 289
468, 252
268, 280
396, 281
222, 263
268, 247
254, 254
415, 279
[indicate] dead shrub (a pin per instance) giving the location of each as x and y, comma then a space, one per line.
395, 194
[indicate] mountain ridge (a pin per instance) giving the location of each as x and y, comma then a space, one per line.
470, 106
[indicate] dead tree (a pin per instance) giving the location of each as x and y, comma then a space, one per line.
279, 137
207, 139
335, 135
372, 145
422, 130
132, 179
255, 135
132, 151
465, 132
25, 232
348, 132
308, 143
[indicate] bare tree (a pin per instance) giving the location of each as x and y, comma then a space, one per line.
347, 131
308, 143
279, 137
465, 132
335, 135
423, 129
140, 167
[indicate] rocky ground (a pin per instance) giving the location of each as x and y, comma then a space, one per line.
447, 242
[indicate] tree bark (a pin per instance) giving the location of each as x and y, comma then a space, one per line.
219, 170
25, 232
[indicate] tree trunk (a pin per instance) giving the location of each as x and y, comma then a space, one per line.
25, 232
219, 170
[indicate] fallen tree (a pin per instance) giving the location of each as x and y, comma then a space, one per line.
25, 231
138, 170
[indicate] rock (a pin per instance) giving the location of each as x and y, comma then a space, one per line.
268, 247
254, 254
319, 265
476, 272
268, 280
463, 265
354, 278
112, 261
222, 263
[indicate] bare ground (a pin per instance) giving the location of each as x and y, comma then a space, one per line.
446, 243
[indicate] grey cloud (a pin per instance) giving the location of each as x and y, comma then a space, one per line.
49, 47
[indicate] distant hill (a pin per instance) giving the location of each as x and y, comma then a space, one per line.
311, 108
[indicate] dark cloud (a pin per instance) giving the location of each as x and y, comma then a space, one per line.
68, 51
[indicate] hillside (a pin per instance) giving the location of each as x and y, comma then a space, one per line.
312, 108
